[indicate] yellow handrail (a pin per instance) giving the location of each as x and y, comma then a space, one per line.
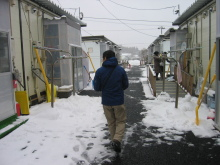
90, 60
42, 70
204, 83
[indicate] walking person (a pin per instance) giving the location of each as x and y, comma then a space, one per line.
112, 80
157, 67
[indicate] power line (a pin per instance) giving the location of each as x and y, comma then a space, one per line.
122, 30
124, 23
134, 43
59, 3
87, 32
141, 9
124, 19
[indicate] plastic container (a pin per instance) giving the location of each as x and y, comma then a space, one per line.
22, 98
18, 110
211, 101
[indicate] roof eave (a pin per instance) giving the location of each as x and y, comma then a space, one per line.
195, 7
58, 10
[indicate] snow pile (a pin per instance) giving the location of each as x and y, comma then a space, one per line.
72, 131
162, 113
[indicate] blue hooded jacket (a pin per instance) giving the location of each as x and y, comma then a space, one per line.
113, 91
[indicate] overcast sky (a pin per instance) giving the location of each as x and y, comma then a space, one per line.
124, 21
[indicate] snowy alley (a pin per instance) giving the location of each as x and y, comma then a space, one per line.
75, 131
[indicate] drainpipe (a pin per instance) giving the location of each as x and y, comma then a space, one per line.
210, 42
22, 48
201, 42
196, 30
187, 40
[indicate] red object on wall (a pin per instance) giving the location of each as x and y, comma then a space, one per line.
14, 83
18, 110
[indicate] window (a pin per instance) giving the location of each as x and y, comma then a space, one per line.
4, 53
78, 75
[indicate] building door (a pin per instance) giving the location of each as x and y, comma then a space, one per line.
6, 89
7, 108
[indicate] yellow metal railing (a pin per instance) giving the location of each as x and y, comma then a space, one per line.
42, 70
204, 83
90, 59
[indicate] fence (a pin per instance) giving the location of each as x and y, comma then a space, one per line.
152, 78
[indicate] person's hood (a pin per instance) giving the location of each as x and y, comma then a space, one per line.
111, 62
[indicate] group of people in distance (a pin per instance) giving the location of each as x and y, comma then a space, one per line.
159, 61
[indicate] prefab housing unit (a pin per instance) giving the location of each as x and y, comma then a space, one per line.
27, 29
65, 34
200, 21
95, 46
94, 50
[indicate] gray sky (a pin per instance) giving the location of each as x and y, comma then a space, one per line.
129, 27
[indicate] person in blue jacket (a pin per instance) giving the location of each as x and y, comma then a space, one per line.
112, 80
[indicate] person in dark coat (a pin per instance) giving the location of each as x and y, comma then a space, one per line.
112, 80
157, 67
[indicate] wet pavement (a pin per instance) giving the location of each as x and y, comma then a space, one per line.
145, 146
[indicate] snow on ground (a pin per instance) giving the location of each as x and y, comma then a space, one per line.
73, 131
134, 62
162, 113
70, 132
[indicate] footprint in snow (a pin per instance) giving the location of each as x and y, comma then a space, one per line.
24, 148
76, 148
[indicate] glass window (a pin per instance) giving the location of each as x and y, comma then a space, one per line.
78, 76
4, 53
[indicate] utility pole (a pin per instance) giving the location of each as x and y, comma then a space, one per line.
178, 10
161, 27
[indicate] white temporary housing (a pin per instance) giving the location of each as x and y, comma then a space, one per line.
95, 46
25, 26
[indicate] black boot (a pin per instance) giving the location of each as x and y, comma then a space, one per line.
116, 145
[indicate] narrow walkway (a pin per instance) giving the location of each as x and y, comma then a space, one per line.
145, 146
170, 88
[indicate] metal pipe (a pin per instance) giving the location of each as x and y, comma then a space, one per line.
73, 61
210, 42
164, 65
196, 30
183, 50
51, 49
177, 95
90, 60
42, 69
177, 87
51, 87
22, 48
